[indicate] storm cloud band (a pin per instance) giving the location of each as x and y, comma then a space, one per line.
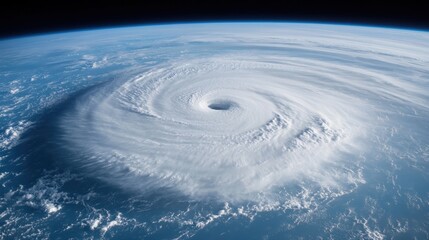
245, 117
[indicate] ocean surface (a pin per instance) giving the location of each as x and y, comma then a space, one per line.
215, 131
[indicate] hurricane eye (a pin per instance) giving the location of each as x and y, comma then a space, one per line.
220, 105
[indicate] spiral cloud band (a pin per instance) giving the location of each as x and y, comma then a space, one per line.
231, 128
244, 117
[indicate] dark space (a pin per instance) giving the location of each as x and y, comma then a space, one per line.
24, 17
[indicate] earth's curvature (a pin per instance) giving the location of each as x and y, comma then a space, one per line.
216, 131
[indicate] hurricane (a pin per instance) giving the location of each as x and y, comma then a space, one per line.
216, 130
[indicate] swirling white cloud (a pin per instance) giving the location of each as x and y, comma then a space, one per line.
250, 114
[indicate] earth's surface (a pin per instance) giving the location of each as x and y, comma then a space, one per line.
216, 131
